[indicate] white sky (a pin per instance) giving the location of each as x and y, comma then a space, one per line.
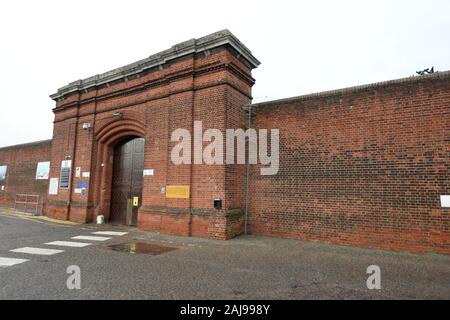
304, 46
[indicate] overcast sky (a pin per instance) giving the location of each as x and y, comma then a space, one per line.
304, 46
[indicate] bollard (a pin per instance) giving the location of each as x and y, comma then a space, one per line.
100, 219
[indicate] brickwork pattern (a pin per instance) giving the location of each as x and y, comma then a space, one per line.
363, 167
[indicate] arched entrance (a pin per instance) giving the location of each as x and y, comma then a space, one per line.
127, 180
119, 166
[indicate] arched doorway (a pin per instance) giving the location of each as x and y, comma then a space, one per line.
127, 181
111, 134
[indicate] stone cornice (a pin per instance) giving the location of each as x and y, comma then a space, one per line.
192, 46
159, 82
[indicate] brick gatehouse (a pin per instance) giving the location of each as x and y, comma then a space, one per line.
365, 166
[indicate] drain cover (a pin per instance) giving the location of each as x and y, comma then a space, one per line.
141, 248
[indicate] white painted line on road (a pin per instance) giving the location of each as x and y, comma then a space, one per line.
8, 262
110, 233
39, 251
69, 244
91, 238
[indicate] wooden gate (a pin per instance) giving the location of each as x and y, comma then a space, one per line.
126, 191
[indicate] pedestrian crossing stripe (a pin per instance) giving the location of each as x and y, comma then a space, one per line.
91, 238
110, 233
8, 262
38, 251
68, 244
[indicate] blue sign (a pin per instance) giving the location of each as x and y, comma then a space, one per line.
81, 185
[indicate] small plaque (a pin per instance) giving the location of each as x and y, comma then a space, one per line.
78, 172
66, 163
78, 190
149, 172
86, 174
445, 201
82, 185
177, 192
53, 186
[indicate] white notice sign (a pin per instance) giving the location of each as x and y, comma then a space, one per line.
53, 187
86, 174
66, 163
445, 201
149, 172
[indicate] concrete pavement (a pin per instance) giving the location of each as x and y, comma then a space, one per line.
248, 267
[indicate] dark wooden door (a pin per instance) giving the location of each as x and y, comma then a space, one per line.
127, 181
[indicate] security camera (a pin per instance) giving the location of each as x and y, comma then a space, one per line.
86, 126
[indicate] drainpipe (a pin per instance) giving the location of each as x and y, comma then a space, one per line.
91, 138
72, 168
191, 168
249, 108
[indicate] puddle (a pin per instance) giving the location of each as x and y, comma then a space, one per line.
141, 248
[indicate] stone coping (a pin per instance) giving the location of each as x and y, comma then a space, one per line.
355, 89
217, 39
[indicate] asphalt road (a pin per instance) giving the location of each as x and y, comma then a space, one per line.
248, 267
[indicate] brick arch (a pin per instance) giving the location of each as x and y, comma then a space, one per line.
108, 129
108, 133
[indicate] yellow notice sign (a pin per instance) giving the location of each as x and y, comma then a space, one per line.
135, 201
177, 192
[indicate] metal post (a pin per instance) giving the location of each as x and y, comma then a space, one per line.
37, 204
248, 171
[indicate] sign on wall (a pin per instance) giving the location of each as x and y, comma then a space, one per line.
177, 192
445, 201
82, 185
3, 170
43, 170
64, 179
53, 186
148, 172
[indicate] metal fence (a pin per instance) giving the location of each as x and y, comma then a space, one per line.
26, 202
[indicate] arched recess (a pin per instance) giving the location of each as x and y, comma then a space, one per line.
108, 133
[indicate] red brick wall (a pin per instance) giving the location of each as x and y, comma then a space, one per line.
363, 166
211, 88
22, 163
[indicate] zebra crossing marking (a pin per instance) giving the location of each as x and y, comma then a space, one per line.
69, 244
91, 238
110, 233
37, 251
8, 262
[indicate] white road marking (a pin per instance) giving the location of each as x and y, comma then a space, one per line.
8, 262
39, 251
69, 244
91, 238
110, 233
